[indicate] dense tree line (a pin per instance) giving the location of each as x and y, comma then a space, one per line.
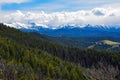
28, 55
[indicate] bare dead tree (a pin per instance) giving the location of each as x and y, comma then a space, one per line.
108, 72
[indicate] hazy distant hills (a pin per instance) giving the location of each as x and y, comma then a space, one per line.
102, 43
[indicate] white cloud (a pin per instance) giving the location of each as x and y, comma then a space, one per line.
99, 11
96, 16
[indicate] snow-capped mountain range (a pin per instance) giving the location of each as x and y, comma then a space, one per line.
72, 30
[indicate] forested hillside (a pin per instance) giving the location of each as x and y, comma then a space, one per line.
18, 62
26, 57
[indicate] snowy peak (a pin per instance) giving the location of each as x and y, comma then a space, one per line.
32, 25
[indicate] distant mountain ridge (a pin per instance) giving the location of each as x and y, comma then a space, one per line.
75, 31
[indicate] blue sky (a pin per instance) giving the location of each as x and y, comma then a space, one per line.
55, 5
22, 6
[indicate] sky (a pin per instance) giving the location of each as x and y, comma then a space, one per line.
54, 13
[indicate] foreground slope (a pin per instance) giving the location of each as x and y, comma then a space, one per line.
38, 55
